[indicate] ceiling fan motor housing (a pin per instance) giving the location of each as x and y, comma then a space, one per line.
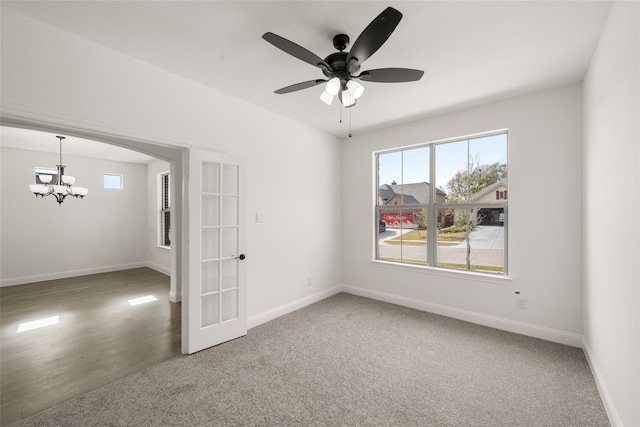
338, 60
338, 63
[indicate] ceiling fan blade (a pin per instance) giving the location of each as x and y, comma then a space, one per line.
374, 36
299, 86
295, 50
391, 75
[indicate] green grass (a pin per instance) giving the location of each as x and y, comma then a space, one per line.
454, 229
411, 235
419, 237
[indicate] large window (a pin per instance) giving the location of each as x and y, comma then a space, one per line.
444, 204
165, 209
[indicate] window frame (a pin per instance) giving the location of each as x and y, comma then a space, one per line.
119, 175
164, 208
432, 209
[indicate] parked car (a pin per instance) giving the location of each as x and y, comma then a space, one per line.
382, 226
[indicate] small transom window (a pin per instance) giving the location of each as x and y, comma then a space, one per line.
112, 181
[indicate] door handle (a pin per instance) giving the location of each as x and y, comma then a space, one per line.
241, 257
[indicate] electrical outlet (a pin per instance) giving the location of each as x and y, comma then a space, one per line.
521, 303
259, 216
308, 281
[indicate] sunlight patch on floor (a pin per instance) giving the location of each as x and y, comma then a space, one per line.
39, 323
142, 300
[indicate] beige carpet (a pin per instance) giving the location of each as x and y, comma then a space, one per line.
350, 361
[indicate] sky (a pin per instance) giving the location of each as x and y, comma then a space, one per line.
412, 165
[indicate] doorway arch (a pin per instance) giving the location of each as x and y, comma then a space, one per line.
176, 156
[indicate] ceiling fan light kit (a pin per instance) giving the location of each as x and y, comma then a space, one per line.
341, 67
333, 86
326, 97
355, 88
347, 98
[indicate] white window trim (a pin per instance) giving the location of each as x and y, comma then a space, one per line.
476, 276
498, 278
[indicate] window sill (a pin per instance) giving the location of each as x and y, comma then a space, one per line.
495, 279
164, 247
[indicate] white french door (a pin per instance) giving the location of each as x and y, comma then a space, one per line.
216, 294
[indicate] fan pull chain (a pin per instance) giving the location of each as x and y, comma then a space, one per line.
350, 134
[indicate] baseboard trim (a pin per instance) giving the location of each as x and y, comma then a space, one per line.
158, 268
69, 273
548, 334
612, 413
175, 296
274, 313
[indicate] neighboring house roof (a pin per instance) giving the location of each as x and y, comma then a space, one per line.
418, 191
480, 194
402, 199
385, 192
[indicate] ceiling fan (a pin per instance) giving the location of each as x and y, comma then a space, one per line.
341, 67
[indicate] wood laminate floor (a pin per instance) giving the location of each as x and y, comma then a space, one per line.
99, 339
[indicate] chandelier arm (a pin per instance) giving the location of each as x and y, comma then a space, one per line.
59, 198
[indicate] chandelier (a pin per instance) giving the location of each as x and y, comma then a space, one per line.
59, 185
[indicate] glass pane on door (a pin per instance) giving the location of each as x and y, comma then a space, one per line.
210, 210
210, 310
210, 277
210, 243
229, 277
229, 242
210, 177
230, 179
229, 305
229, 211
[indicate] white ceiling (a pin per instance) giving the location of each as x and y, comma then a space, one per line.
472, 52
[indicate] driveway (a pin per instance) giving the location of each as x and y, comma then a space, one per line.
485, 237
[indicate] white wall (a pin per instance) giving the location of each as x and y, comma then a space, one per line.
158, 257
612, 203
42, 240
293, 170
545, 227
